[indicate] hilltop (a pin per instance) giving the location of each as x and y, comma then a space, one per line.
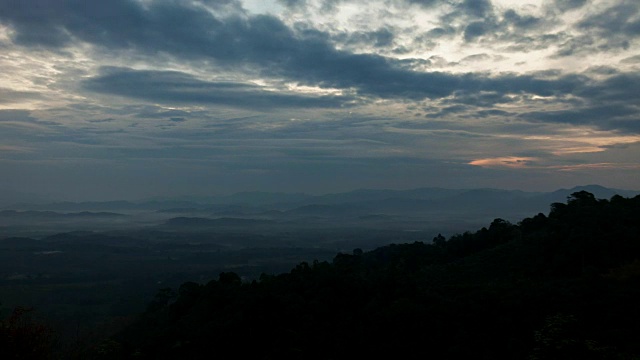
558, 286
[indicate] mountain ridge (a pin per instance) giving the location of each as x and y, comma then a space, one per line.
284, 200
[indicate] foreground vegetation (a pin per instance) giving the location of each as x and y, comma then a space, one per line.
562, 286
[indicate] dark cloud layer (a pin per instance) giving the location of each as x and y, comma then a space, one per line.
620, 19
610, 104
610, 29
209, 85
304, 55
565, 5
262, 41
180, 88
8, 96
605, 116
477, 8
371, 75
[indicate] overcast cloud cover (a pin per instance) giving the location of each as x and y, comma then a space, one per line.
139, 98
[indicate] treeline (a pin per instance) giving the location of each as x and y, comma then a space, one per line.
560, 286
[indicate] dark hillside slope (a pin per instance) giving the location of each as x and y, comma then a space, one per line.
562, 286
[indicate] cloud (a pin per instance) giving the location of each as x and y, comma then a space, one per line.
382, 37
293, 3
17, 149
631, 60
565, 5
17, 115
53, 23
614, 28
263, 42
180, 88
477, 29
386, 78
481, 98
155, 112
522, 22
476, 8
610, 104
10, 96
481, 21
622, 18
425, 3
623, 87
440, 32
101, 121
213, 87
493, 112
604, 116
504, 161
475, 57
448, 111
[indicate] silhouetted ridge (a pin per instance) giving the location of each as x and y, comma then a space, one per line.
31, 214
195, 221
560, 286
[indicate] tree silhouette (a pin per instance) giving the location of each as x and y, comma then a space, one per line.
23, 338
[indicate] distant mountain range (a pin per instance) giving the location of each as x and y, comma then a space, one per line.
447, 210
410, 200
30, 214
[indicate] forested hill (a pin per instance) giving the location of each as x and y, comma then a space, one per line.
562, 286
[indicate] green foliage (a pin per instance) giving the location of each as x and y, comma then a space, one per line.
562, 286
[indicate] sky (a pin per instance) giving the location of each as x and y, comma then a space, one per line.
128, 99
